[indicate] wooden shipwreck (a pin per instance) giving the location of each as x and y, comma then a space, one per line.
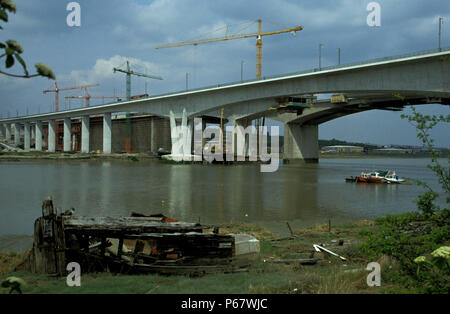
137, 244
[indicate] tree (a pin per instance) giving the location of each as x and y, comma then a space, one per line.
13, 50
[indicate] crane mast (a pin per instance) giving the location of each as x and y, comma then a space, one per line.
128, 72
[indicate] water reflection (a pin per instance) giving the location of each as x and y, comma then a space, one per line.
300, 194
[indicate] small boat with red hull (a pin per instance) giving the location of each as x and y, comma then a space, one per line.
372, 177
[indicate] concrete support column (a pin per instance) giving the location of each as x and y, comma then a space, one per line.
2, 133
16, 134
203, 132
301, 143
8, 132
67, 134
107, 133
189, 139
153, 136
38, 144
246, 140
51, 136
27, 136
85, 134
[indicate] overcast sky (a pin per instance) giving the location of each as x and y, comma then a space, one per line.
113, 31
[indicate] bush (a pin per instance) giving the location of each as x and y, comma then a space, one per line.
406, 237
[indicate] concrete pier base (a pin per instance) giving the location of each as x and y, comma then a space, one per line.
153, 145
8, 132
51, 136
67, 134
246, 140
16, 134
38, 141
85, 134
2, 131
301, 143
27, 136
107, 133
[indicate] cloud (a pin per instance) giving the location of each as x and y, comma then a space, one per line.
103, 70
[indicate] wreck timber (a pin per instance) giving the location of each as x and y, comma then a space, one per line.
137, 244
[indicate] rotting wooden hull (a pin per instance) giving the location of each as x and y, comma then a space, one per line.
135, 245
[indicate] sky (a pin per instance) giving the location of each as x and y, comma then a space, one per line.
113, 31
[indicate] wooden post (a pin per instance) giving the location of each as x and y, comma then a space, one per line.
290, 229
103, 247
120, 248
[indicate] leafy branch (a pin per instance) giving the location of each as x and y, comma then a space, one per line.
13, 50
424, 124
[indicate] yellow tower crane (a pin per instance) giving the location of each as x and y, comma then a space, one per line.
259, 44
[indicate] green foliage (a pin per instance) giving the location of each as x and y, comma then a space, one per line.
13, 50
44, 70
424, 124
409, 238
425, 203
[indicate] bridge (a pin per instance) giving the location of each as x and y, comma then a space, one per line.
386, 84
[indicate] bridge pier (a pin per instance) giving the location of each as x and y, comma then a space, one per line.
2, 133
301, 143
85, 134
16, 134
246, 140
153, 144
67, 134
181, 137
38, 141
107, 133
8, 132
51, 136
27, 136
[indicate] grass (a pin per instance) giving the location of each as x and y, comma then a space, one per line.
10, 261
329, 275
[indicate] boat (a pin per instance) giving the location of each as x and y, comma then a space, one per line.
137, 244
371, 177
163, 152
351, 179
392, 177
378, 176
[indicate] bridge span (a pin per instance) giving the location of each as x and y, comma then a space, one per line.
387, 84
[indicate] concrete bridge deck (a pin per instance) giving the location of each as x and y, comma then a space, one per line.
387, 83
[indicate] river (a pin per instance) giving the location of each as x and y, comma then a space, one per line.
214, 194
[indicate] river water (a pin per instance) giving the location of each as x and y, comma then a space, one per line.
301, 194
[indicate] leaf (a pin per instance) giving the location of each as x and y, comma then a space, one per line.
9, 51
3, 15
14, 45
9, 61
19, 58
45, 71
2, 45
8, 5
